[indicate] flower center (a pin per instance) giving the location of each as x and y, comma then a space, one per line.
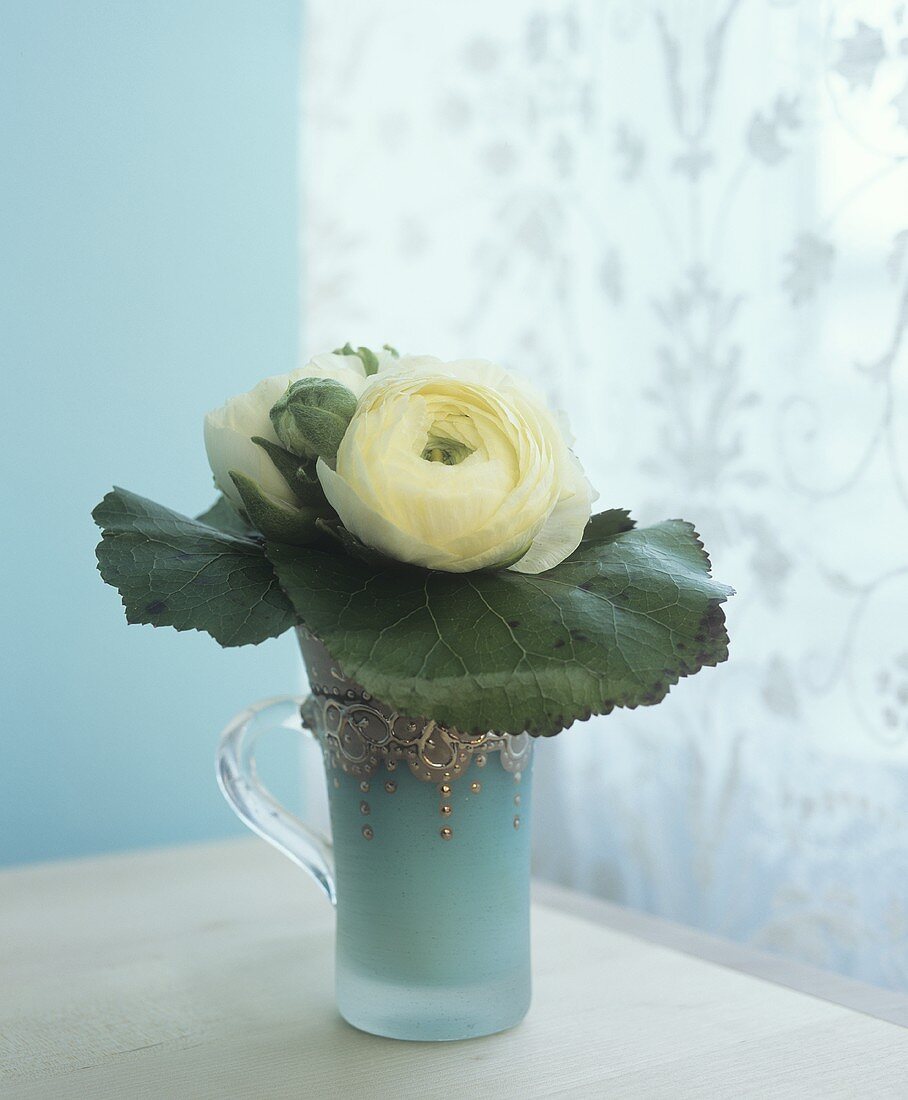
450, 452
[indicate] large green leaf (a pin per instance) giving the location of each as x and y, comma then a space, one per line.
223, 516
193, 575
615, 625
604, 524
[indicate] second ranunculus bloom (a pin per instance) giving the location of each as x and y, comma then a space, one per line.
230, 429
458, 466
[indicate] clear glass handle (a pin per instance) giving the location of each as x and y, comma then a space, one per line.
255, 806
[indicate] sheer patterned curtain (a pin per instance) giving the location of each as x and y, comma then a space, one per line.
689, 222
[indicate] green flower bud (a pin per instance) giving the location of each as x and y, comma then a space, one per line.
312, 416
275, 518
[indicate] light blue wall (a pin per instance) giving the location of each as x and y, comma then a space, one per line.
149, 269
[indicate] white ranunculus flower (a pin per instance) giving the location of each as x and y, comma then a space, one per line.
229, 429
458, 466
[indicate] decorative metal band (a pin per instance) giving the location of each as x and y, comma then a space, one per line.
359, 739
359, 734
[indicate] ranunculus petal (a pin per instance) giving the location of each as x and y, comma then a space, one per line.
562, 531
229, 449
518, 490
372, 527
228, 438
347, 369
230, 428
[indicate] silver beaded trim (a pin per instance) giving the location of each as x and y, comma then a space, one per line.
359, 734
359, 739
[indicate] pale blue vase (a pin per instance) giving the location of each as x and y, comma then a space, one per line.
429, 862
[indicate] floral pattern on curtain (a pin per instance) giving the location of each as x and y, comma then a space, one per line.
689, 223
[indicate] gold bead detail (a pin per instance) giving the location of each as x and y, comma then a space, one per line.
364, 807
364, 787
516, 799
517, 777
516, 822
337, 782
480, 761
445, 809
446, 833
475, 787
390, 765
368, 832
445, 788
390, 786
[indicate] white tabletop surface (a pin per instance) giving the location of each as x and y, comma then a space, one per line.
207, 972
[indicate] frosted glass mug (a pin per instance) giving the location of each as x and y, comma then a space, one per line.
429, 860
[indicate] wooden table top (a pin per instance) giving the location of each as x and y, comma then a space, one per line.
207, 971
